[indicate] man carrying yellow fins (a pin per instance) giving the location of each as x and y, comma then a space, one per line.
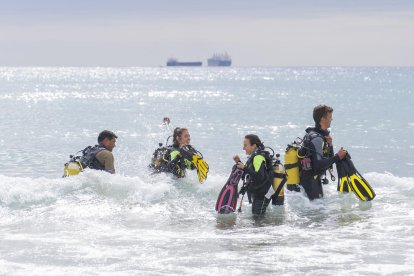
308, 159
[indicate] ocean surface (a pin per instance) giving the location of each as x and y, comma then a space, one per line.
135, 223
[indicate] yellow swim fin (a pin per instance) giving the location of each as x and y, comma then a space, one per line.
201, 167
196, 158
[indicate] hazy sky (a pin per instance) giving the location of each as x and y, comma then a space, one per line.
254, 33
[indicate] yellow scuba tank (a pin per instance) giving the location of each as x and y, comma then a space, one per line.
279, 179
72, 168
292, 167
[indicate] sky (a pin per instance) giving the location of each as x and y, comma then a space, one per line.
254, 33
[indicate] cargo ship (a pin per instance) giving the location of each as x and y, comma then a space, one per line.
175, 62
219, 60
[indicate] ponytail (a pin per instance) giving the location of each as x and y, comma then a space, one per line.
254, 140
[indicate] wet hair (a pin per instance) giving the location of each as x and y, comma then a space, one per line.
321, 111
254, 140
178, 131
106, 134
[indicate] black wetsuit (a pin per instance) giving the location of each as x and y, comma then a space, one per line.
178, 162
259, 181
321, 158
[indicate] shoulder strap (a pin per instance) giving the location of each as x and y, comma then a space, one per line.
250, 160
305, 149
89, 156
166, 153
266, 155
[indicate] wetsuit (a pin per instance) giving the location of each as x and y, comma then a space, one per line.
178, 164
319, 158
259, 182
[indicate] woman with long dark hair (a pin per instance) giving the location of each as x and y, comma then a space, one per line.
257, 172
177, 162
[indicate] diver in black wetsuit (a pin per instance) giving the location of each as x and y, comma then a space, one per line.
317, 152
257, 172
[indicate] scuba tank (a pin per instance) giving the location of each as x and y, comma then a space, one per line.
277, 192
297, 160
73, 167
292, 166
279, 180
160, 157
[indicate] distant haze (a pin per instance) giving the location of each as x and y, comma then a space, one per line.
254, 33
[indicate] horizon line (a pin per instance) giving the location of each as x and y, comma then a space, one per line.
240, 66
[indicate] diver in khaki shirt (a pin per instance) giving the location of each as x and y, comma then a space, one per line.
106, 158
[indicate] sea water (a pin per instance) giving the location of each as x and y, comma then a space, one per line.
135, 223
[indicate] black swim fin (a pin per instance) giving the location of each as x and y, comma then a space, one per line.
343, 180
357, 182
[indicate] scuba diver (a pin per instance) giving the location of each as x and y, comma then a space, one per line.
316, 153
98, 157
179, 156
257, 173
177, 163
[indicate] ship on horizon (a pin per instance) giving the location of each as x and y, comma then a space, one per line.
219, 60
175, 62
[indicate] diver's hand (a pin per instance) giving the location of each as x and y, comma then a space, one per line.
240, 165
189, 149
184, 148
328, 140
166, 121
236, 158
341, 153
